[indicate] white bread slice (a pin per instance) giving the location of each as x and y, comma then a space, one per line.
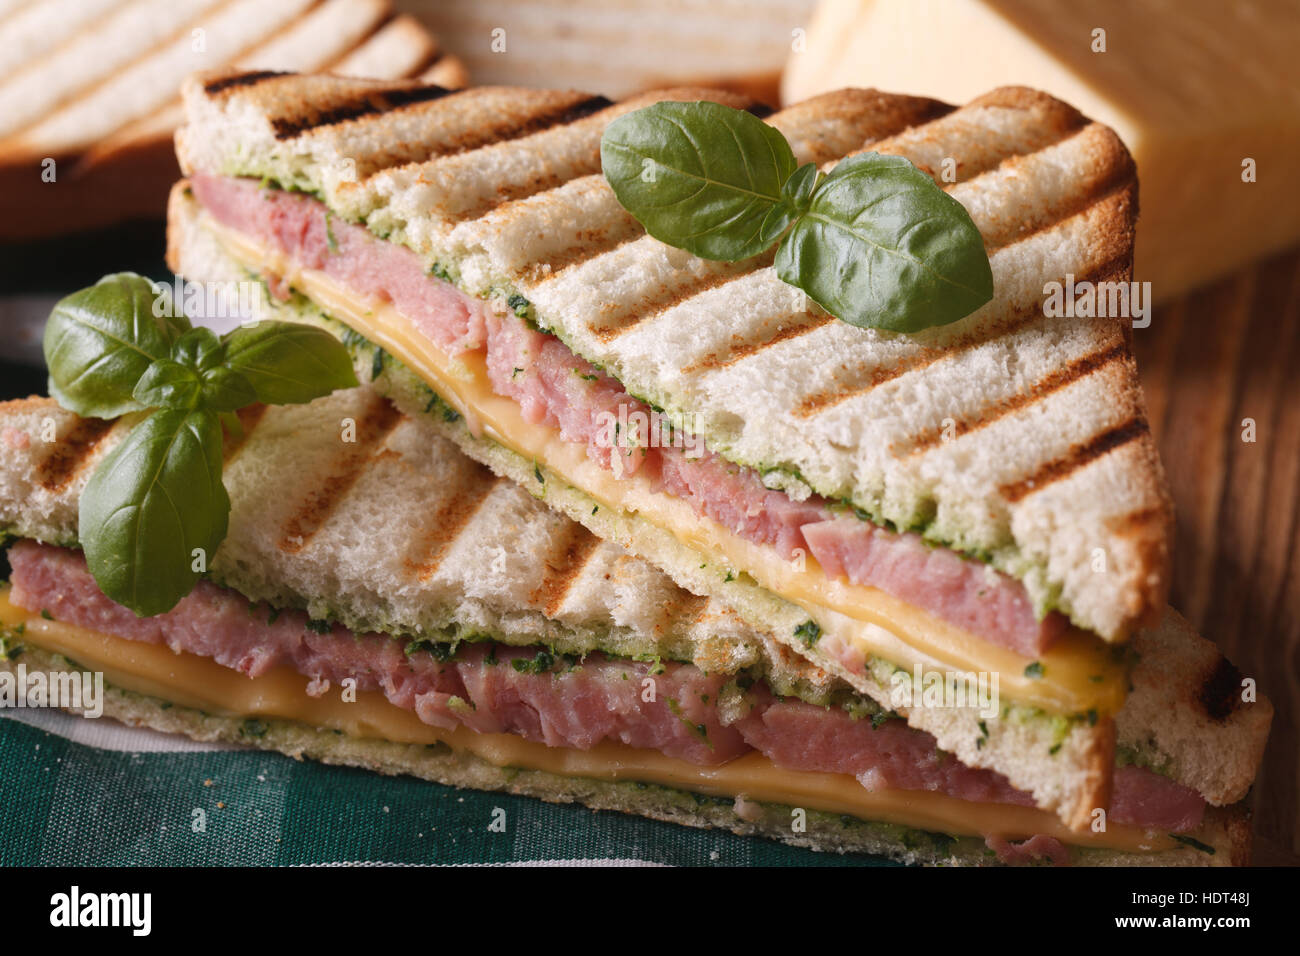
397, 532
1226, 831
350, 37
90, 57
402, 47
1066, 767
104, 103
1052, 470
30, 30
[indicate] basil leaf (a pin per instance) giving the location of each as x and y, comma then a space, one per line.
700, 176
199, 349
99, 341
287, 363
225, 390
796, 194
881, 246
175, 321
798, 189
168, 384
151, 502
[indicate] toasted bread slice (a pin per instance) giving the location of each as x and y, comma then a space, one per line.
448, 545
1051, 467
1067, 768
102, 105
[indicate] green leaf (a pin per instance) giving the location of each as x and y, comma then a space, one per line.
99, 341
700, 176
881, 246
199, 349
225, 390
798, 189
168, 384
151, 502
287, 363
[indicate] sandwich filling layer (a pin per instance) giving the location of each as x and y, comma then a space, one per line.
708, 728
811, 552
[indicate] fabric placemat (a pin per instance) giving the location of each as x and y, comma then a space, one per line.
87, 792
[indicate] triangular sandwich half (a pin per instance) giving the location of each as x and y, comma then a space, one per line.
385, 602
980, 499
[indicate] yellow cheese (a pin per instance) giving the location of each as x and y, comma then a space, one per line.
197, 682
1194, 88
1079, 674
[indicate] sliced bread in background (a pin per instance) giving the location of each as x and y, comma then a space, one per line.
89, 91
621, 47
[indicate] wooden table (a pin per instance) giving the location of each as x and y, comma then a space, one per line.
1227, 353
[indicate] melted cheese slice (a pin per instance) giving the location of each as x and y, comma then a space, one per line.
1079, 674
198, 682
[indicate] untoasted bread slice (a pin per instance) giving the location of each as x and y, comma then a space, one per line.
102, 104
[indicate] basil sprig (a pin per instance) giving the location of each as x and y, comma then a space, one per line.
155, 510
875, 241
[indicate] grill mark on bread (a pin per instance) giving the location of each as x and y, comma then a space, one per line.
550, 117
251, 78
1077, 205
464, 500
1137, 520
1220, 691
69, 454
597, 242
367, 103
822, 401
1079, 455
620, 317
249, 416
1056, 120
1117, 175
316, 505
743, 349
572, 550
1053, 382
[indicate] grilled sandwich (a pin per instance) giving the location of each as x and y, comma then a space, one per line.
89, 91
383, 601
981, 498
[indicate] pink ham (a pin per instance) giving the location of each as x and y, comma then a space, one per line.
1037, 849
302, 229
1157, 802
929, 577
891, 756
576, 707
558, 389
570, 708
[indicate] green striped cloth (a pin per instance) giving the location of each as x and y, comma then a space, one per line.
93, 792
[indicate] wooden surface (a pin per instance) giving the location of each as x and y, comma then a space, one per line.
1230, 352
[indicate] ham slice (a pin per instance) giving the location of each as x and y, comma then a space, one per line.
558, 389
493, 688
